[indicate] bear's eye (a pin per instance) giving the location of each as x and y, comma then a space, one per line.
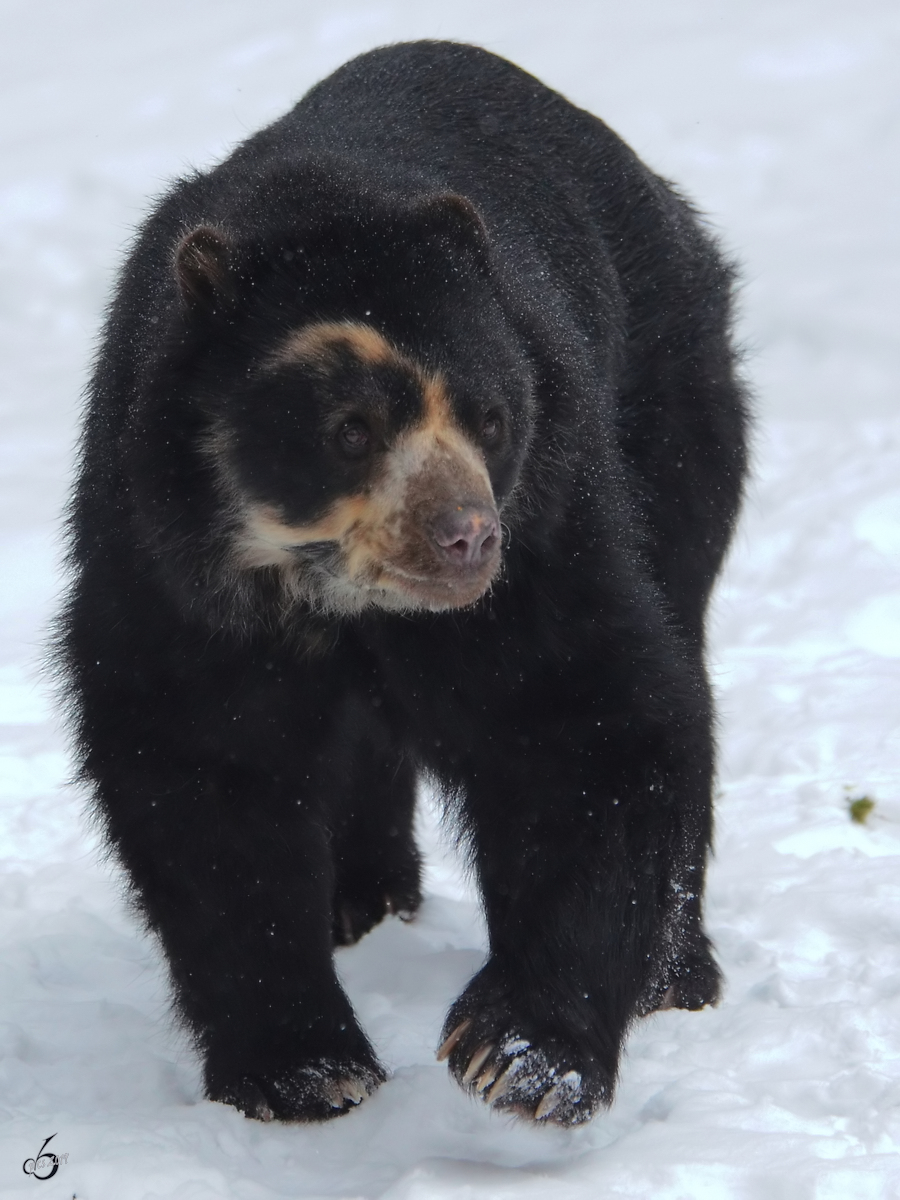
491, 427
354, 438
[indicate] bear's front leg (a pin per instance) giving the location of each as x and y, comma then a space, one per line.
232, 870
214, 761
590, 845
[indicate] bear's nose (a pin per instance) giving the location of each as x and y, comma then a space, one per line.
467, 535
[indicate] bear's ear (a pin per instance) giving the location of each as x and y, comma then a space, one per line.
452, 215
203, 269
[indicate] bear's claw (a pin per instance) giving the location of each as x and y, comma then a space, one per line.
356, 913
549, 1103
476, 1062
450, 1041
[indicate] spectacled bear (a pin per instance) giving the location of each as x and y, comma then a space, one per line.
414, 445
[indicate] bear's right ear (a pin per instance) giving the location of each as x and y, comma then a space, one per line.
203, 269
452, 215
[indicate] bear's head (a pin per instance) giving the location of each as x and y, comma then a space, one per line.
368, 400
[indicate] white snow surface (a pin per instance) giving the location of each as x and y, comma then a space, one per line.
780, 120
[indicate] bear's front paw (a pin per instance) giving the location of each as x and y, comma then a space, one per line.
316, 1091
541, 1076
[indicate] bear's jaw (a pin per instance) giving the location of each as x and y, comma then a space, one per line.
342, 566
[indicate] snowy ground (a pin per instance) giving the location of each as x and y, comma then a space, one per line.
781, 120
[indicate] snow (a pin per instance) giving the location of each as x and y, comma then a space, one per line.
780, 120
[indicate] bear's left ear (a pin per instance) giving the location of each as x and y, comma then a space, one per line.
203, 269
453, 215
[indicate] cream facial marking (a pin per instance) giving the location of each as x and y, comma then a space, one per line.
312, 343
267, 540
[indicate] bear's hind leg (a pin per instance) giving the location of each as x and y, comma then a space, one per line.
687, 976
376, 861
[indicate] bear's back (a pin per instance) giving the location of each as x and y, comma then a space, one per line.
576, 220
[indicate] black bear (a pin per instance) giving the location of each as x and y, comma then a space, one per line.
414, 445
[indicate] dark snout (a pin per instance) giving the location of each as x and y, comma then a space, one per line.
467, 536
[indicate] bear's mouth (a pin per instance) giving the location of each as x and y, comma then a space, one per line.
388, 584
440, 592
